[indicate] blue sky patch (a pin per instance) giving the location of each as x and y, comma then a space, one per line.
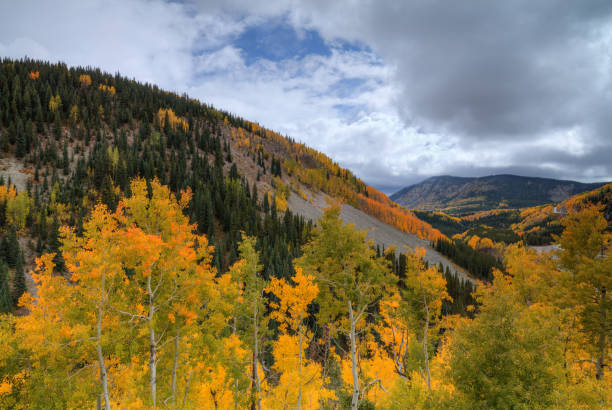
277, 41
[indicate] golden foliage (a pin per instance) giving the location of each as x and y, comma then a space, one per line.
298, 381
398, 217
292, 308
110, 89
55, 103
319, 173
174, 121
17, 207
7, 193
143, 270
74, 113
85, 80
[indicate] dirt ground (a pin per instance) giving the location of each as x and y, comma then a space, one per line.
11, 167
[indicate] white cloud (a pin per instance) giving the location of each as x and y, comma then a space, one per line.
394, 110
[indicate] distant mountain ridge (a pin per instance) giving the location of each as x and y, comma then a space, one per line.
460, 195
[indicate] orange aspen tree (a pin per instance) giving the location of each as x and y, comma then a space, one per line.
395, 333
172, 279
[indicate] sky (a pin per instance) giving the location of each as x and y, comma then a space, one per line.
396, 91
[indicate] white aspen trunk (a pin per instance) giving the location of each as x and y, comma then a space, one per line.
352, 336
186, 389
175, 367
152, 346
425, 350
602, 337
256, 353
235, 381
299, 403
103, 374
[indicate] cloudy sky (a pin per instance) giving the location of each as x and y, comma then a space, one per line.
394, 90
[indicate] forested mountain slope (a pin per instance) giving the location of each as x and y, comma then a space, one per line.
71, 137
535, 226
456, 195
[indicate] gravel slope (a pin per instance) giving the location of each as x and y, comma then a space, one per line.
381, 233
11, 167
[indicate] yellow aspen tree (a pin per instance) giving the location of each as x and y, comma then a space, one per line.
136, 315
174, 122
108, 89
93, 264
250, 321
376, 370
74, 114
85, 80
509, 355
350, 279
58, 339
395, 333
301, 384
486, 243
586, 258
299, 376
18, 208
425, 291
55, 102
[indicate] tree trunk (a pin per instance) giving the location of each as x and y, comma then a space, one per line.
152, 346
175, 367
236, 380
425, 349
103, 374
602, 337
256, 354
186, 389
299, 403
352, 336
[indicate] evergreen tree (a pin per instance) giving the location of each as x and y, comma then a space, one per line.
20, 147
54, 246
6, 303
10, 250
19, 281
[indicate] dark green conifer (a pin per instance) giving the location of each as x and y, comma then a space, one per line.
19, 281
6, 303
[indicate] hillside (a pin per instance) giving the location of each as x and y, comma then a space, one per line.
535, 226
72, 137
457, 195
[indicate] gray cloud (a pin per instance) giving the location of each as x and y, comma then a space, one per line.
481, 72
486, 69
467, 88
